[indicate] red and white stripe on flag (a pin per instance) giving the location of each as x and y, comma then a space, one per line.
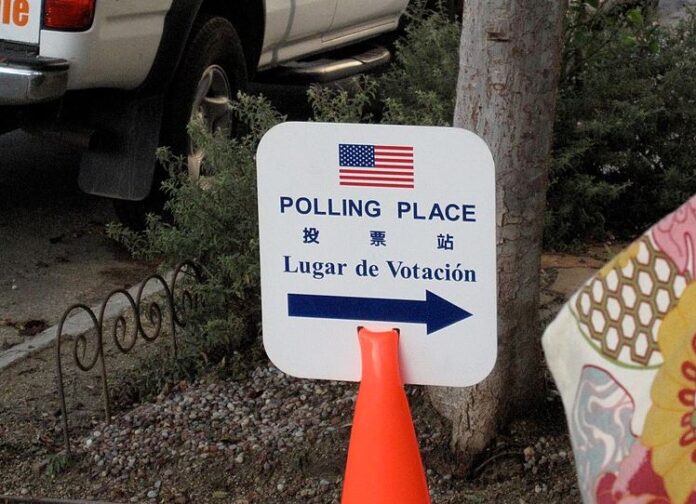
376, 166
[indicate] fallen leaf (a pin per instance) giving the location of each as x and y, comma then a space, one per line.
31, 327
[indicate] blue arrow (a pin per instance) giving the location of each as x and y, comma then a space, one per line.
435, 312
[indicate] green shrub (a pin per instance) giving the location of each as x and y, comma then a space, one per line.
214, 222
352, 105
606, 119
57, 464
416, 90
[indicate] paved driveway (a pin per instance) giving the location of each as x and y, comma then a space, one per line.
53, 250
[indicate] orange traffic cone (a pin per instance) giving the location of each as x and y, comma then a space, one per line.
384, 464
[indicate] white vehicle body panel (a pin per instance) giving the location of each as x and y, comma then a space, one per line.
277, 51
350, 13
119, 49
20, 20
291, 20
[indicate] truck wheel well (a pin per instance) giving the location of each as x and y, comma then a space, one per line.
248, 19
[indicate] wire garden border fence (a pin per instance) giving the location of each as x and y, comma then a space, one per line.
176, 302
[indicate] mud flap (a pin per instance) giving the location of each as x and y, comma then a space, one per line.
120, 162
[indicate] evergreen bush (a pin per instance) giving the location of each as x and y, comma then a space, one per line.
613, 170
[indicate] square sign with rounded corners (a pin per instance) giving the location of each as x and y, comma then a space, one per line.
383, 227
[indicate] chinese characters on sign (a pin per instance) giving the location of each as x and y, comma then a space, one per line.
445, 242
310, 235
378, 238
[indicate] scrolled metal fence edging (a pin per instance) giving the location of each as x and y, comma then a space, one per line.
124, 340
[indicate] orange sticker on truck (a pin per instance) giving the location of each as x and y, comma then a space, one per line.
14, 12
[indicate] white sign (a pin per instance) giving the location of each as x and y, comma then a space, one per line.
20, 20
382, 227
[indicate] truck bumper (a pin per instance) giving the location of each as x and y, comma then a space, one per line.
28, 80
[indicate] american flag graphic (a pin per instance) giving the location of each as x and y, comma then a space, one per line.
375, 165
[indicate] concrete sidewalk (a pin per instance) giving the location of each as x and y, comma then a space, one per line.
78, 323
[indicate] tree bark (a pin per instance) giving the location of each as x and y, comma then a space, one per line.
670, 12
509, 66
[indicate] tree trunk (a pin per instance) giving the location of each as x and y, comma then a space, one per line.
509, 65
670, 12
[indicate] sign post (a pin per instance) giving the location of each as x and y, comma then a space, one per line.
378, 227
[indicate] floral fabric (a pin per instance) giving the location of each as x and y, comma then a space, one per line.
623, 354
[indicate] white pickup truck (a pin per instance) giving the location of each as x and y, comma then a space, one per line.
121, 77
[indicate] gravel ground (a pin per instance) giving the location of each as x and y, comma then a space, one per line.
263, 437
270, 438
253, 422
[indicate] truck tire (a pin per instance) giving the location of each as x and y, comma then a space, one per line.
211, 72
